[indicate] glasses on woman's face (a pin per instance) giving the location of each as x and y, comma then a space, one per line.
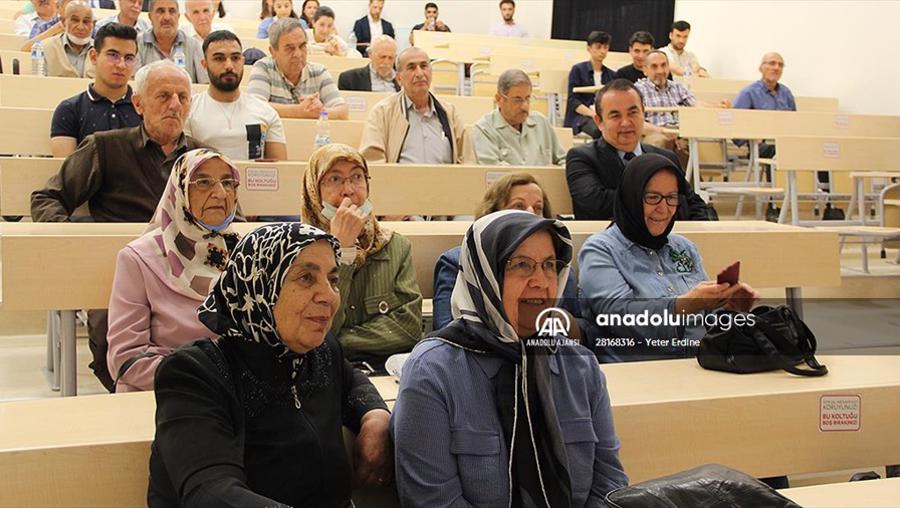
334, 181
525, 267
206, 184
654, 198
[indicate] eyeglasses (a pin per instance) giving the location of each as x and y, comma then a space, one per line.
206, 184
654, 198
335, 181
525, 267
518, 101
116, 58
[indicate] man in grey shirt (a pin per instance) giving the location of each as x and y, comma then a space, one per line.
412, 126
166, 41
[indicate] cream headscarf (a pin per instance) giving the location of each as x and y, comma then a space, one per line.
373, 237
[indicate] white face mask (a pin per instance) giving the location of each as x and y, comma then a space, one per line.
78, 41
330, 211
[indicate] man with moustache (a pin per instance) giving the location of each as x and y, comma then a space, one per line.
594, 170
165, 40
129, 10
66, 54
122, 173
240, 126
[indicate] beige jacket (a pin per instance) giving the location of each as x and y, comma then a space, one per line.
386, 128
58, 64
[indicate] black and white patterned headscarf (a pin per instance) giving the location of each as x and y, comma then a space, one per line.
538, 464
241, 303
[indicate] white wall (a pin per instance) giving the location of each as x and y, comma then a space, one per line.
845, 49
472, 16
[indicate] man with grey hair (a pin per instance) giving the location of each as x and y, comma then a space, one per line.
294, 87
129, 10
512, 134
411, 126
379, 75
122, 173
767, 93
167, 41
66, 54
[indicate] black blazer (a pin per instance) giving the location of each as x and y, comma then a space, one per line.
359, 80
594, 172
361, 29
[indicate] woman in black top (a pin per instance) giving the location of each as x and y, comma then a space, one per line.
254, 418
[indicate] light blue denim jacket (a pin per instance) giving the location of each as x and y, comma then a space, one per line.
618, 276
449, 445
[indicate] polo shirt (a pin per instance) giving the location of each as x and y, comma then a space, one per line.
89, 112
269, 84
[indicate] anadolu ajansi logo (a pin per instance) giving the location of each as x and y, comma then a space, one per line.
551, 322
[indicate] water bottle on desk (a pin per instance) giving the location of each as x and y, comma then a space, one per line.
323, 131
687, 76
38, 63
178, 57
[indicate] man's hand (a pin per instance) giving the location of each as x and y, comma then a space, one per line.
311, 105
374, 452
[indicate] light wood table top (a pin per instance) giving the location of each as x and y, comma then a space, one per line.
884, 493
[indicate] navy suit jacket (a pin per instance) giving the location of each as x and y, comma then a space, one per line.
582, 74
363, 34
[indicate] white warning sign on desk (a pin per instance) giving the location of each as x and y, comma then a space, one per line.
840, 413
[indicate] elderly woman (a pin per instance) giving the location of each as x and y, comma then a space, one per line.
255, 418
381, 306
488, 416
638, 265
166, 273
323, 37
517, 191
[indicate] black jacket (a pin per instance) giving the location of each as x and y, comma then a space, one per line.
228, 432
363, 34
359, 79
594, 172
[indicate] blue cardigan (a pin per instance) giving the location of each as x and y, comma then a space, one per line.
582, 74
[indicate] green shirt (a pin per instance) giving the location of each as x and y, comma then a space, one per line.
496, 142
381, 305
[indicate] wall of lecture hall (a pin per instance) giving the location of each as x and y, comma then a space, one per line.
840, 48
476, 16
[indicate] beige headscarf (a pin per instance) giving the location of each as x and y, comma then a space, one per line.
373, 237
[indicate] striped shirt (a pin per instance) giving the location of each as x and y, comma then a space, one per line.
269, 84
674, 94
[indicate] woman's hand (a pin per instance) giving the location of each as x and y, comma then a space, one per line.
707, 295
374, 452
347, 223
742, 299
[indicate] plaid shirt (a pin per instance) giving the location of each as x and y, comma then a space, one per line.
269, 84
675, 94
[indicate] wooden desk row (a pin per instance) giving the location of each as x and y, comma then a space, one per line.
669, 415
26, 131
36, 256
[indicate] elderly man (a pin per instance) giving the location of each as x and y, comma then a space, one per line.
239, 125
411, 126
294, 87
379, 75
66, 54
122, 173
507, 27
44, 16
367, 28
594, 170
106, 104
767, 93
129, 10
200, 14
680, 58
512, 134
167, 41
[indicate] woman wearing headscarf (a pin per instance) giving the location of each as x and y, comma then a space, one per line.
491, 414
167, 272
255, 418
381, 305
638, 265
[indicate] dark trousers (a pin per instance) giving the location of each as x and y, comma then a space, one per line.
97, 328
590, 128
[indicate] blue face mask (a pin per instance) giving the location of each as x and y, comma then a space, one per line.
329, 211
221, 227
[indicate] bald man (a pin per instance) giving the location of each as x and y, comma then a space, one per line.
411, 126
379, 75
767, 93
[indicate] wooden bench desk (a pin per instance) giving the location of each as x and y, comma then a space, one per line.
36, 256
883, 493
670, 416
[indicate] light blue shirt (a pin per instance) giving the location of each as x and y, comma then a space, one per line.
758, 96
618, 277
449, 443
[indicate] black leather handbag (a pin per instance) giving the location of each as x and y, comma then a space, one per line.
773, 338
709, 486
